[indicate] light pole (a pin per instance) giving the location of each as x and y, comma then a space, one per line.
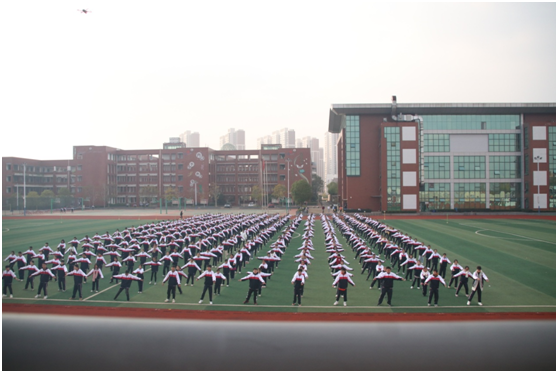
24, 191
288, 183
538, 159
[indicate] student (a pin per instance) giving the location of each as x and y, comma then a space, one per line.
479, 278
62, 247
463, 281
209, 280
97, 276
255, 282
387, 279
174, 279
45, 276
181, 275
30, 254
226, 270
298, 282
423, 276
139, 272
127, 279
219, 279
154, 269
11, 260
21, 262
434, 258
31, 268
418, 269
342, 281
79, 279
7, 277
443, 265
192, 268
455, 269
115, 264
434, 280
61, 272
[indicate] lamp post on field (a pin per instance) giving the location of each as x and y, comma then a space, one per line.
538, 159
288, 183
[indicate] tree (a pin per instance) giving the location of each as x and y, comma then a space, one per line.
301, 192
46, 197
256, 193
332, 188
215, 193
279, 192
149, 193
171, 193
32, 200
317, 186
94, 193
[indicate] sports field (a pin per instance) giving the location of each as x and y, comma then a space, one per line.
518, 256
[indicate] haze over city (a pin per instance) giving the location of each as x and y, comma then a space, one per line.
130, 75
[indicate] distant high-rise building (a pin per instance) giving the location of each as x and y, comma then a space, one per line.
237, 138
330, 156
299, 143
316, 153
192, 139
174, 143
263, 141
285, 137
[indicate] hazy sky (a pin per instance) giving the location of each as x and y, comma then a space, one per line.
131, 74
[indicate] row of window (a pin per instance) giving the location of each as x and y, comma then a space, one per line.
471, 122
391, 135
352, 145
497, 142
472, 167
502, 196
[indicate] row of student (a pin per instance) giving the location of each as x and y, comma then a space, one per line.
303, 260
58, 264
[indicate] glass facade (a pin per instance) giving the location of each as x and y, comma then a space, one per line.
552, 167
469, 167
505, 167
393, 168
435, 196
505, 196
471, 122
352, 145
436, 143
469, 196
504, 142
437, 167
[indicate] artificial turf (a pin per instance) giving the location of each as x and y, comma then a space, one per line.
518, 256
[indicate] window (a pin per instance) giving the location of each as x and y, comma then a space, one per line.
503, 142
8, 178
437, 167
435, 196
471, 122
552, 167
469, 167
282, 177
180, 166
180, 177
436, 143
505, 196
8, 167
469, 195
352, 145
393, 160
505, 167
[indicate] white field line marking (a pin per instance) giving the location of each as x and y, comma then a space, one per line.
502, 238
511, 234
288, 306
102, 291
5, 229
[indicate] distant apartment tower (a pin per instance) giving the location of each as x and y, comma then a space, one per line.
235, 138
285, 137
263, 141
330, 156
316, 153
192, 139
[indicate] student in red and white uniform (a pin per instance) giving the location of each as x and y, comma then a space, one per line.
209, 280
479, 278
7, 277
79, 278
126, 279
219, 279
424, 274
434, 280
174, 280
386, 279
21, 262
129, 260
342, 281
417, 268
31, 268
62, 247
192, 269
226, 270
463, 277
407, 264
30, 254
434, 259
455, 269
60, 272
115, 266
155, 264
255, 282
298, 282
45, 275
444, 261
139, 272
97, 274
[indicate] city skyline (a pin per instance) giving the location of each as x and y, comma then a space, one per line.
104, 78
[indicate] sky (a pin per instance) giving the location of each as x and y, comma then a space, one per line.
131, 74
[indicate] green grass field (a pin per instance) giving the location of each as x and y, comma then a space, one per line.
518, 256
